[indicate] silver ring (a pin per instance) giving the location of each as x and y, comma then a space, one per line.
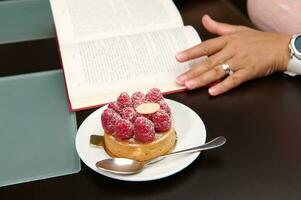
227, 69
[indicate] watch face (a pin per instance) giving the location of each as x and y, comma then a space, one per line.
298, 43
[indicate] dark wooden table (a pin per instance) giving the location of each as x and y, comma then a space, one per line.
260, 119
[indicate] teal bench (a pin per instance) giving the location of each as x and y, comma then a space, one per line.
25, 20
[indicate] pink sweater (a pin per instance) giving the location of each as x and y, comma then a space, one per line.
283, 16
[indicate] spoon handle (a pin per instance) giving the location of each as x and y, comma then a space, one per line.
216, 142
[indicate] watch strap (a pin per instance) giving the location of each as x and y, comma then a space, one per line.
294, 67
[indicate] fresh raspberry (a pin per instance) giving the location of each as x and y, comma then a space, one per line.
161, 120
137, 96
124, 100
129, 113
144, 129
154, 95
124, 129
137, 99
164, 106
108, 120
115, 106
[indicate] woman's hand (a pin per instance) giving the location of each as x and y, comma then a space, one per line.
249, 53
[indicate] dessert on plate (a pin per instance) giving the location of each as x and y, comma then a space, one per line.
139, 127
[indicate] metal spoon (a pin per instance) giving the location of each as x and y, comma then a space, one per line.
129, 166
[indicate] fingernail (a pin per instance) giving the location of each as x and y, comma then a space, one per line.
189, 85
181, 56
181, 79
212, 91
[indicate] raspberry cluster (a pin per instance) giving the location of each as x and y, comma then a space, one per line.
122, 121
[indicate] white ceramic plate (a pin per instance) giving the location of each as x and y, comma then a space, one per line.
190, 130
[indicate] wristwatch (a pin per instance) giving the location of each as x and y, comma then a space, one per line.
294, 65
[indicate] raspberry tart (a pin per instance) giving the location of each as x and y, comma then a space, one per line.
139, 127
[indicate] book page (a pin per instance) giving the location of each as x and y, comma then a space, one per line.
97, 69
83, 20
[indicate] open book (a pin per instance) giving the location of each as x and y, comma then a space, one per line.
111, 46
